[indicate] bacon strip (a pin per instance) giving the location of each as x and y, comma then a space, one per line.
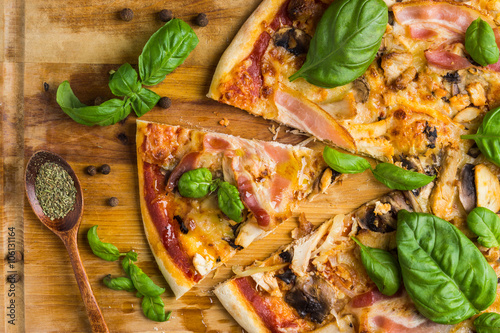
308, 117
187, 163
446, 60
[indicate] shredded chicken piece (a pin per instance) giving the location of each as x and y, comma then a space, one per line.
303, 229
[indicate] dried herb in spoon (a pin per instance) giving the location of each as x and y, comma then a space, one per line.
55, 190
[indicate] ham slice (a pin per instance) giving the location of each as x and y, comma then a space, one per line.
446, 60
308, 117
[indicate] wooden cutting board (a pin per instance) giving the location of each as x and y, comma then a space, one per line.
46, 42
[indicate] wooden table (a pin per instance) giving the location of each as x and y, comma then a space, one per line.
46, 42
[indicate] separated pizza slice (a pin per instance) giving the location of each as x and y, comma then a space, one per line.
418, 96
319, 283
252, 187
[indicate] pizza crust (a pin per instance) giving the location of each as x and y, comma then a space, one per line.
230, 297
243, 43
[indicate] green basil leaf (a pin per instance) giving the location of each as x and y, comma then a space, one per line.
108, 113
165, 51
124, 81
344, 163
398, 178
195, 183
229, 201
480, 43
445, 274
129, 258
106, 251
486, 225
119, 283
382, 267
143, 101
154, 308
488, 322
143, 283
345, 43
487, 136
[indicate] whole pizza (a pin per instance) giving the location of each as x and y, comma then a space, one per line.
415, 85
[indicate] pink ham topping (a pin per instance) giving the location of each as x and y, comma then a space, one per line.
372, 297
312, 119
187, 163
450, 21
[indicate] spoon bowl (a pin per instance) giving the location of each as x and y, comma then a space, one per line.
67, 230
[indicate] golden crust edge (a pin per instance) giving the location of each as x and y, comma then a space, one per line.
179, 284
242, 44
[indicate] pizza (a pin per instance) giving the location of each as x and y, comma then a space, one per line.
319, 283
416, 98
190, 237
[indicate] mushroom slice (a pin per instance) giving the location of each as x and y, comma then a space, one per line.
467, 187
487, 188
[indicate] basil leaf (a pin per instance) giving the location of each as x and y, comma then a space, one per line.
124, 81
129, 258
346, 42
445, 274
106, 251
108, 113
486, 225
398, 178
382, 267
488, 322
344, 163
165, 51
143, 283
154, 308
229, 201
480, 43
195, 183
487, 136
143, 101
119, 283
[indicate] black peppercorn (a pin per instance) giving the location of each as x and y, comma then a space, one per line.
45, 86
14, 257
202, 20
127, 14
91, 170
113, 201
164, 103
13, 278
165, 15
104, 169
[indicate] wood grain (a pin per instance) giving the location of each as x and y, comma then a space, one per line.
81, 41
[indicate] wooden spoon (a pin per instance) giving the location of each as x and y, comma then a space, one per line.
67, 229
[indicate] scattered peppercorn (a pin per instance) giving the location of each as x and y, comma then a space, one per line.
14, 257
127, 14
104, 169
45, 86
91, 170
13, 278
165, 103
165, 15
113, 201
202, 20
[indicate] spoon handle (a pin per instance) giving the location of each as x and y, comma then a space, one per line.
93, 311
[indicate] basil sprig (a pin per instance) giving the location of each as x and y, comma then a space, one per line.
136, 280
445, 274
488, 322
165, 50
486, 225
480, 43
197, 183
382, 267
398, 178
345, 43
388, 174
344, 163
487, 136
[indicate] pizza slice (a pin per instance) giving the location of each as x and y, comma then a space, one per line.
319, 283
417, 97
190, 237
